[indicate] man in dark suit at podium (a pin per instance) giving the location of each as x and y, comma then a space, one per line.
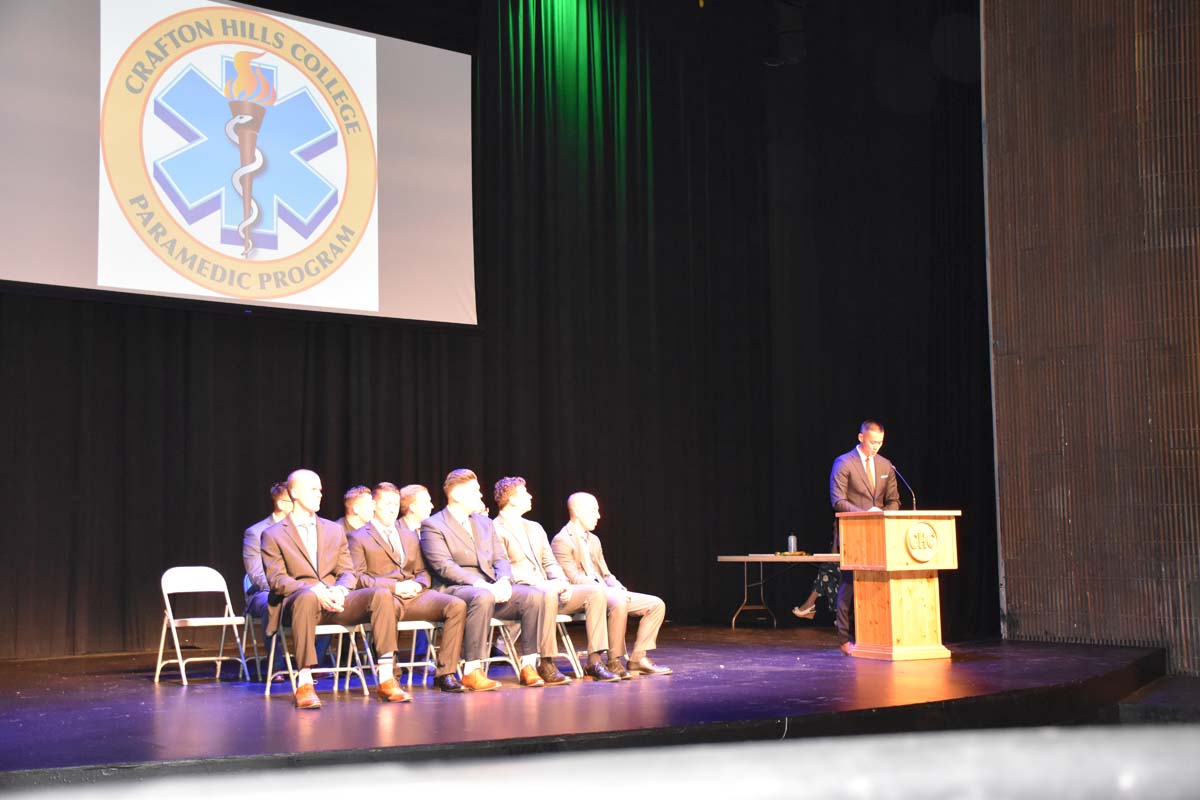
861, 480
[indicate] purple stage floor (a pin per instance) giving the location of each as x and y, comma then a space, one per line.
76, 719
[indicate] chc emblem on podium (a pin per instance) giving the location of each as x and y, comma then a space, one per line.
263, 179
921, 542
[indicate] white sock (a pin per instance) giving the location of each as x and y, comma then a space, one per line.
304, 677
384, 668
471, 666
529, 661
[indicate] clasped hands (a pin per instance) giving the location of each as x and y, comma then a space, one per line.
407, 590
501, 590
331, 598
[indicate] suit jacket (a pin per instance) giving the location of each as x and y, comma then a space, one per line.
252, 556
529, 553
455, 557
375, 564
849, 489
288, 569
570, 555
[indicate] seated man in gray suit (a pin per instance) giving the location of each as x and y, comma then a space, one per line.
360, 507
533, 564
468, 561
389, 555
579, 552
861, 480
256, 593
308, 567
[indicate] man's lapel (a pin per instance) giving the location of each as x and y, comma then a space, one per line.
866, 479
327, 545
382, 541
412, 546
298, 540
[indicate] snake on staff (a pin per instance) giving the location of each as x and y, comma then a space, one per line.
246, 169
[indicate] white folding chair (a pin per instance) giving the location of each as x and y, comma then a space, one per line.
340, 631
510, 647
430, 658
412, 627
566, 646
197, 580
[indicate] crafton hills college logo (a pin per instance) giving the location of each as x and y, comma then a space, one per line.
221, 131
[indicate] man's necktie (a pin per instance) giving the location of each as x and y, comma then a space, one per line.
871, 472
310, 542
394, 541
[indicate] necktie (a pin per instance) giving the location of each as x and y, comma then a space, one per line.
871, 472
394, 541
310, 541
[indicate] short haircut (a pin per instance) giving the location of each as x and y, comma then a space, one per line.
578, 497
383, 487
294, 477
458, 477
505, 488
408, 496
870, 425
278, 490
352, 494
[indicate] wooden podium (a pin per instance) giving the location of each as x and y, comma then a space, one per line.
895, 556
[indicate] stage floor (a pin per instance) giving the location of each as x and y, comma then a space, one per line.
79, 719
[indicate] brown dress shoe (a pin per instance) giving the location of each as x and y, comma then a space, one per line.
530, 678
617, 668
389, 691
306, 697
646, 667
478, 681
847, 648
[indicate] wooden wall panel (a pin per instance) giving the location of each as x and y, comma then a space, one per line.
1092, 153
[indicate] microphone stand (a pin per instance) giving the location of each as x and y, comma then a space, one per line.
906, 484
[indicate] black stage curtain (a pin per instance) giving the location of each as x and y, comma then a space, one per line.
661, 307
625, 294
878, 278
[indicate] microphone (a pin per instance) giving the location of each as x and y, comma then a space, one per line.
906, 484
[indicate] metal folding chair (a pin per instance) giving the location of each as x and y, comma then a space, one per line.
197, 580
340, 631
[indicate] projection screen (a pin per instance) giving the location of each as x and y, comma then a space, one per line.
221, 152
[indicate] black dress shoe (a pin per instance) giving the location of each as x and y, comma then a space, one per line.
550, 674
448, 683
616, 668
599, 672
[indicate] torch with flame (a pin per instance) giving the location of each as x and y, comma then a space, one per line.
249, 94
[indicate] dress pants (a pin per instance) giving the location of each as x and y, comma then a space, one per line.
430, 606
845, 607
302, 610
588, 599
623, 604
526, 606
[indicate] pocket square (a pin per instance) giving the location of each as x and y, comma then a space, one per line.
884, 475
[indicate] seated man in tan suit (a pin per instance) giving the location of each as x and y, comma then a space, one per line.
533, 564
308, 566
388, 555
579, 552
